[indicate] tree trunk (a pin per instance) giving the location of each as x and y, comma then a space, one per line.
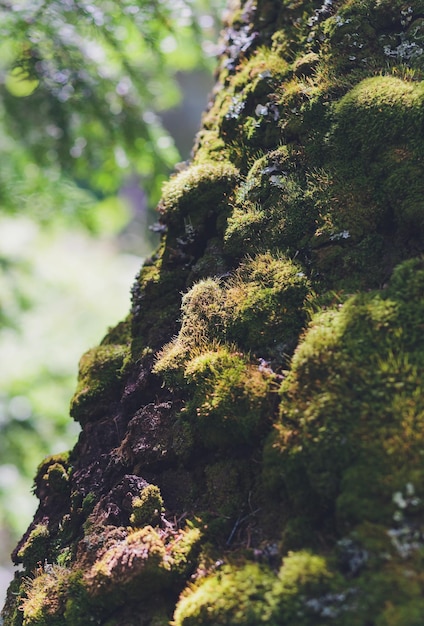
253, 433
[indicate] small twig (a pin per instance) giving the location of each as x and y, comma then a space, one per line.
239, 521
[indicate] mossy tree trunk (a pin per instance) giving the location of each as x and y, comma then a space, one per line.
253, 433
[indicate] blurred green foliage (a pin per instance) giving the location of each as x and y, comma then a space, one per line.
83, 86
58, 297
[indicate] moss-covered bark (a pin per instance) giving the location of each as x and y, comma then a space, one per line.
253, 434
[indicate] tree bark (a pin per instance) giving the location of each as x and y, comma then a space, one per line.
252, 434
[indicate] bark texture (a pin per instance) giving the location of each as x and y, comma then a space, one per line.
253, 433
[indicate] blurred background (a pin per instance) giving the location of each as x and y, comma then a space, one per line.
98, 101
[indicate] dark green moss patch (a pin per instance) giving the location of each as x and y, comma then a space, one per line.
351, 359
197, 193
100, 377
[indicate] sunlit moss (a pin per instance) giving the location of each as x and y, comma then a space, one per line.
198, 192
33, 552
253, 594
100, 375
147, 507
229, 396
287, 364
230, 596
357, 370
265, 304
44, 602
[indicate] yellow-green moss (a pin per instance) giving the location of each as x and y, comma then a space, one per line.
54, 472
307, 178
265, 305
198, 192
202, 323
261, 307
378, 124
44, 601
352, 412
145, 561
35, 549
230, 596
229, 396
147, 507
272, 208
100, 377
253, 594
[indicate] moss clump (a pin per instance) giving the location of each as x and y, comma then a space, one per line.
45, 594
198, 193
281, 439
110, 573
57, 479
99, 379
378, 124
144, 561
231, 596
34, 550
357, 371
53, 474
253, 594
266, 305
147, 507
229, 396
272, 208
261, 307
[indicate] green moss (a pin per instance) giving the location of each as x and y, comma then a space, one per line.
231, 596
57, 479
119, 334
99, 380
378, 124
212, 263
227, 484
306, 187
260, 307
34, 550
110, 573
197, 193
265, 303
229, 396
252, 594
357, 371
158, 559
11, 613
156, 299
53, 473
202, 323
272, 208
147, 507
183, 550
377, 112
182, 439
44, 602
